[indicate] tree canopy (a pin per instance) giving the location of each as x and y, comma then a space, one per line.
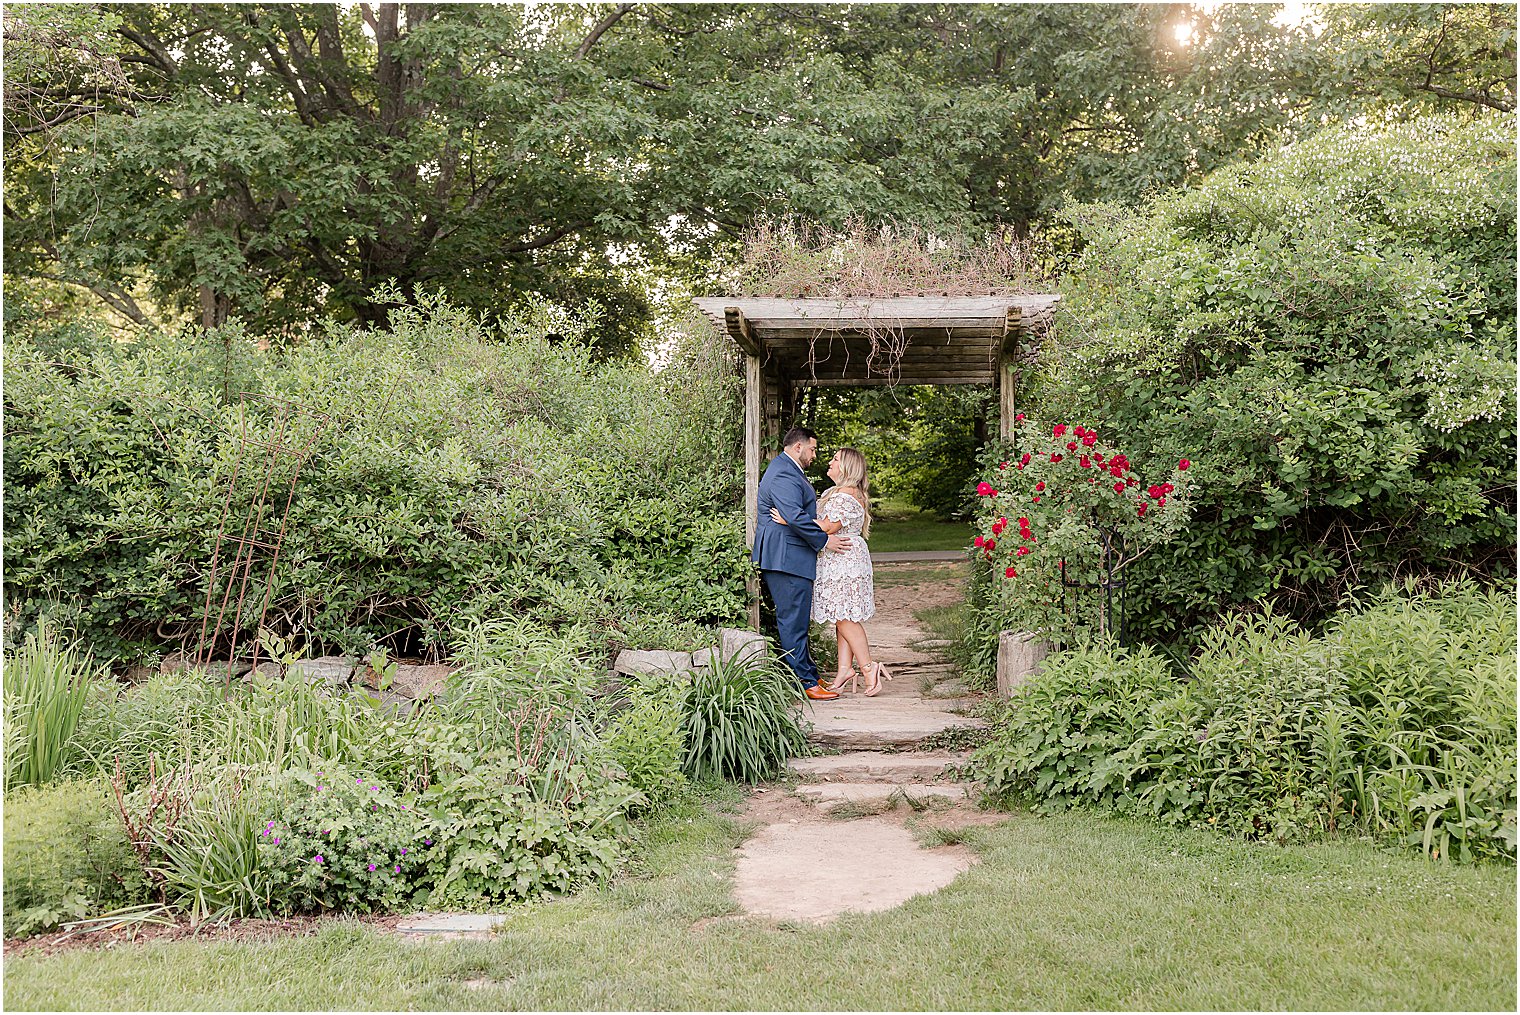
283, 162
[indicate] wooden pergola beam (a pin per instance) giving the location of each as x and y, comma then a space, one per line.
1008, 374
741, 331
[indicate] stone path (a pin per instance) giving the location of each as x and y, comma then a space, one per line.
854, 802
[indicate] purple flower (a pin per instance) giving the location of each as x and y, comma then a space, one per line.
427, 842
374, 787
398, 868
371, 866
276, 842
265, 832
318, 858
321, 788
403, 851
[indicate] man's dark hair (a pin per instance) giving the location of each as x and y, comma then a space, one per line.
795, 434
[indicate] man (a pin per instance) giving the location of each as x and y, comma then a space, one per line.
788, 554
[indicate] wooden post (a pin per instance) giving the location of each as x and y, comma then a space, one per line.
754, 391
1008, 373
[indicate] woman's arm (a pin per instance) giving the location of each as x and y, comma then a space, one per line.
826, 524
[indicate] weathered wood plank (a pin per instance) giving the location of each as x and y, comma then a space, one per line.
739, 328
900, 380
753, 386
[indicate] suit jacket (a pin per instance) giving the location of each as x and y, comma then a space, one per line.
791, 548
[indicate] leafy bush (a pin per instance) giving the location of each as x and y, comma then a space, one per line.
740, 721
47, 684
1398, 723
1066, 496
523, 820
340, 841
644, 737
466, 472
66, 856
1330, 332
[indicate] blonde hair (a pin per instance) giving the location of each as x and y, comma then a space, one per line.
853, 473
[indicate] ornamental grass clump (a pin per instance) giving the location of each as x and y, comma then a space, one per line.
46, 686
741, 721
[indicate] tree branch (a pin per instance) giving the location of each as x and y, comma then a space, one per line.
554, 236
601, 27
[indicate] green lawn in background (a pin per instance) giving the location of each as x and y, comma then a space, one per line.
896, 525
1074, 911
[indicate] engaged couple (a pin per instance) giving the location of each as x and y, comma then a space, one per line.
816, 563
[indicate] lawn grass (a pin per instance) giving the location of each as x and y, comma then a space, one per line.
896, 526
1074, 911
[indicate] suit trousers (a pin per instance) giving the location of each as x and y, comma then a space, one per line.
793, 597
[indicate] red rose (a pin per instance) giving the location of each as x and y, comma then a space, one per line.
1002, 521
979, 540
1024, 461
1023, 521
990, 545
1071, 445
1039, 486
1140, 511
1183, 465
1023, 550
1086, 462
1055, 458
1010, 573
1090, 439
1037, 500
1019, 418
983, 489
1153, 490
1118, 488
1060, 430
1004, 466
1098, 459
1167, 488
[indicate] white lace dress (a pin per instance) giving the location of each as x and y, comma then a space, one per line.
843, 590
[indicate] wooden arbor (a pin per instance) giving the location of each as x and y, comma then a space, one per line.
793, 344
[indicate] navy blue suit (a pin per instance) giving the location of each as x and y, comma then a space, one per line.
788, 558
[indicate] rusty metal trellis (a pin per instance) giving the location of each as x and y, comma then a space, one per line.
294, 430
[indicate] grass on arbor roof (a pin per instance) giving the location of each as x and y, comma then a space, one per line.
1075, 911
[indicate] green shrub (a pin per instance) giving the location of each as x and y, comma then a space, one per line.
47, 683
1328, 333
644, 737
1398, 723
66, 856
523, 820
468, 471
740, 721
340, 841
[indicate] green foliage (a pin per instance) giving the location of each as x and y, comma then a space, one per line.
1059, 507
344, 842
645, 738
468, 472
1330, 334
1398, 723
47, 683
66, 856
522, 821
740, 721
195, 833
275, 160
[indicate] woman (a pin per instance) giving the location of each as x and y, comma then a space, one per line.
842, 592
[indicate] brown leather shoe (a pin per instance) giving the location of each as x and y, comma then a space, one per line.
820, 693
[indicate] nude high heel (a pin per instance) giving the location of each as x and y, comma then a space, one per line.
839, 682
879, 671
